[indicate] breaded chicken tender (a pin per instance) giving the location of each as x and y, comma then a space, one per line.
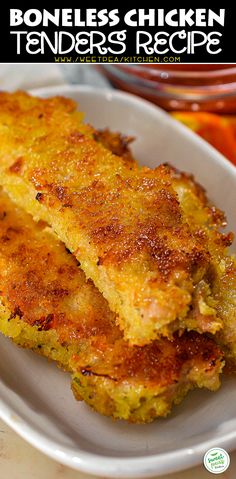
124, 224
47, 305
216, 292
215, 295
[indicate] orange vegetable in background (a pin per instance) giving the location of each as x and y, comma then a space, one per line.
219, 131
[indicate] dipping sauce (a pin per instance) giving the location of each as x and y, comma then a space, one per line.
197, 87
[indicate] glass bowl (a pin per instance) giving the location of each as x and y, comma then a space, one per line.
179, 87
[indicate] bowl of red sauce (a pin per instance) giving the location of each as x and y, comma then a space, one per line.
194, 87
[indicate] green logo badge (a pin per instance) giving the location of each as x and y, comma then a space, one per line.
216, 460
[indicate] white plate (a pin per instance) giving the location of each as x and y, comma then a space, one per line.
36, 400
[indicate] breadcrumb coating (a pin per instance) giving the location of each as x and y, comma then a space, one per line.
124, 224
48, 305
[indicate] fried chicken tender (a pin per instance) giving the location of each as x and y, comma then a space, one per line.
124, 224
115, 142
47, 305
216, 292
215, 295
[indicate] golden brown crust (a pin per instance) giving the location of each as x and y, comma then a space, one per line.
160, 363
42, 282
126, 225
42, 285
219, 281
118, 144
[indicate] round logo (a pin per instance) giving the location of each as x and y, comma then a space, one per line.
216, 460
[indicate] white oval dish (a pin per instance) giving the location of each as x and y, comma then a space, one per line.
35, 397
